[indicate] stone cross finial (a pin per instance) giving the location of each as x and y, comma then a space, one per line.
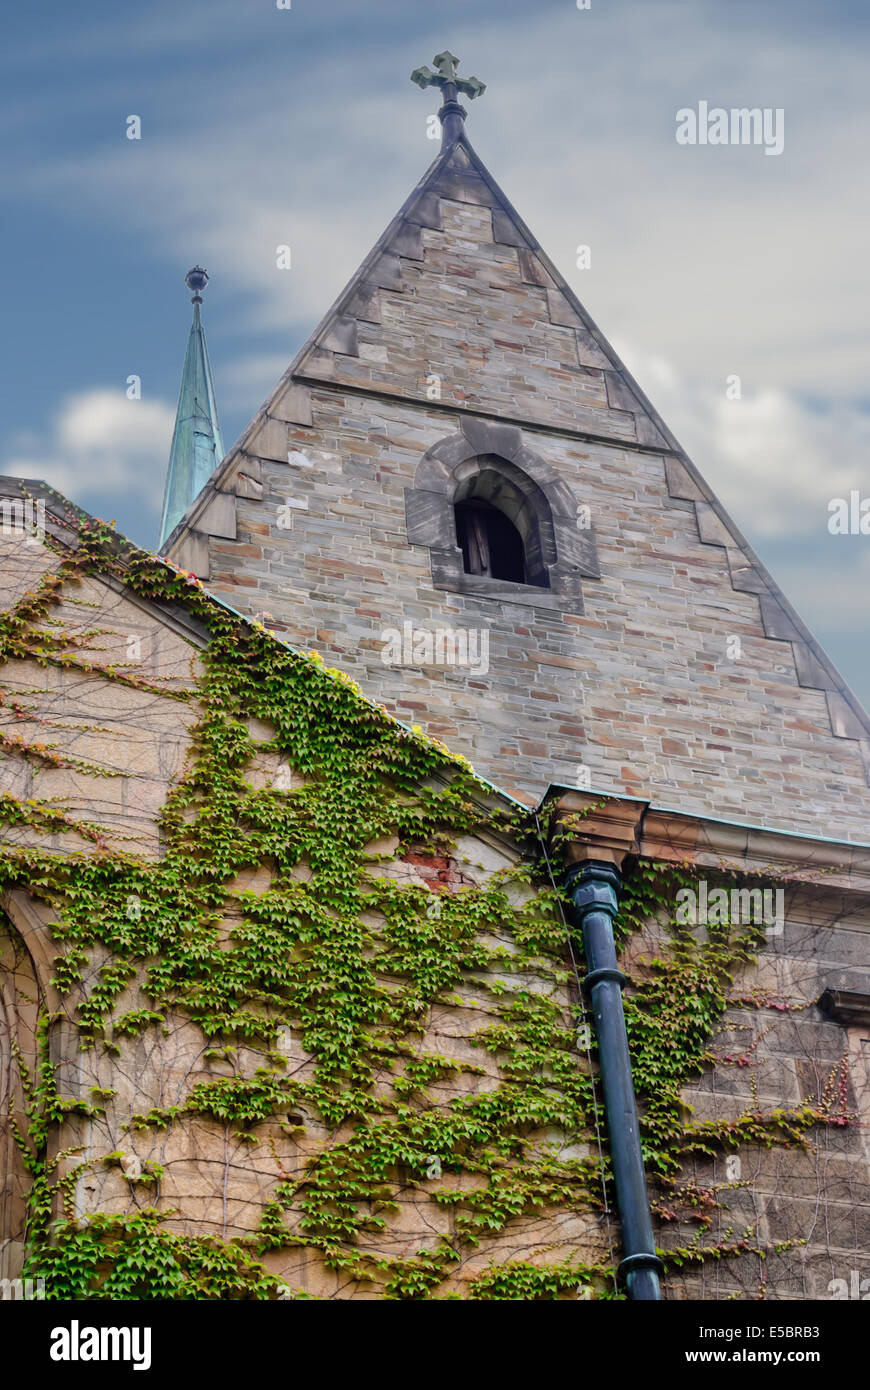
452, 115
447, 65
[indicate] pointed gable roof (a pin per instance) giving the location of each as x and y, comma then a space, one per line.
197, 448
462, 283
590, 389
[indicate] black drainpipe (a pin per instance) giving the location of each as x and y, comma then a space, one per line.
593, 887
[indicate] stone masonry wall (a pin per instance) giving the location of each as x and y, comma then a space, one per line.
678, 676
776, 1048
112, 754
639, 687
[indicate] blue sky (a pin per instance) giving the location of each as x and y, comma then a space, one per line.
263, 126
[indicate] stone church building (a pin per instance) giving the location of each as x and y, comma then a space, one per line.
443, 873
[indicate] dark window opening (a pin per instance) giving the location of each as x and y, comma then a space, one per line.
491, 544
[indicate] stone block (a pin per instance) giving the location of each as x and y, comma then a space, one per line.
269, 440
426, 211
341, 336
407, 241
505, 231
218, 517
294, 403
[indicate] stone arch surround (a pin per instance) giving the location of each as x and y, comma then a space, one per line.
568, 551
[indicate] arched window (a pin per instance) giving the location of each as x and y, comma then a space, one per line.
490, 543
23, 975
499, 521
503, 523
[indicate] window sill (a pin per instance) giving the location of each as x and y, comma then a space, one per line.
502, 591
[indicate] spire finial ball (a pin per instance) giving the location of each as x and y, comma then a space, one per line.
196, 279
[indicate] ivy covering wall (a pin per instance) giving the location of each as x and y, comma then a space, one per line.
352, 963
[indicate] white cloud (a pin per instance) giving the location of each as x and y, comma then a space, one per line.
831, 591
721, 259
245, 383
774, 461
709, 261
101, 446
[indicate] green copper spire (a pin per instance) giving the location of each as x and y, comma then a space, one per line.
197, 448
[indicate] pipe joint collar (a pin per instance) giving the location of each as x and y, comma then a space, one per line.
642, 1260
597, 977
593, 887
